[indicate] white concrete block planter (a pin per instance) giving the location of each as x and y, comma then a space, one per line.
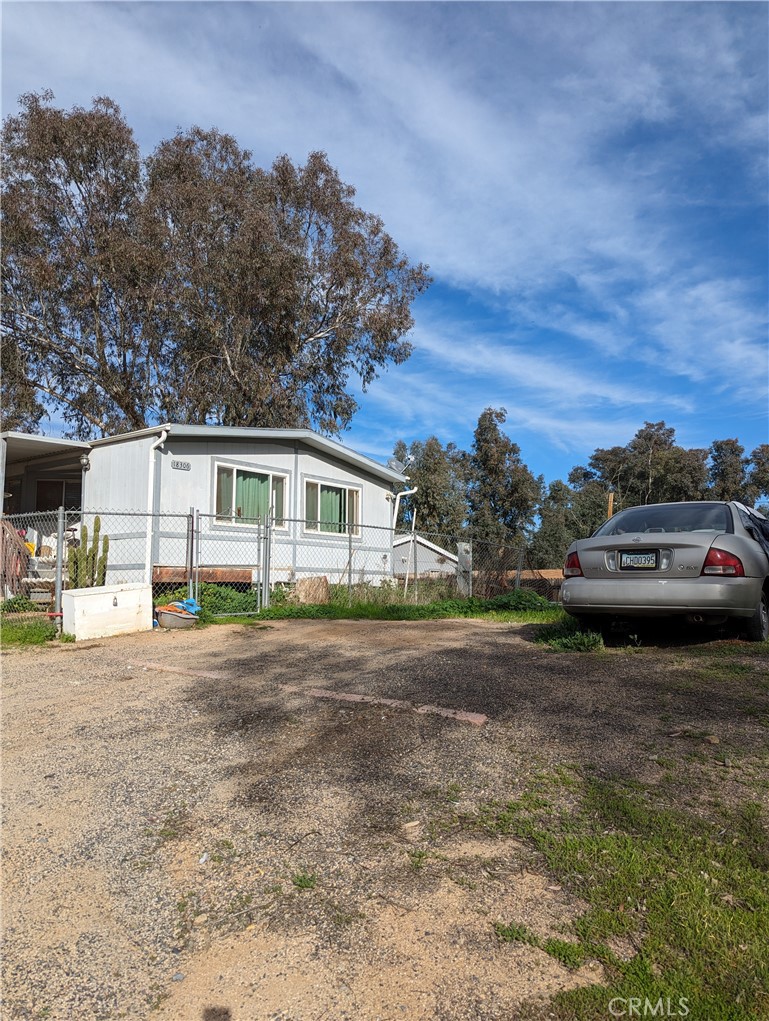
107, 610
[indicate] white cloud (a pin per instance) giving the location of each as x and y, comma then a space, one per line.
570, 166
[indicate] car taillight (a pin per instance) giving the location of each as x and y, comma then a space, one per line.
718, 561
572, 567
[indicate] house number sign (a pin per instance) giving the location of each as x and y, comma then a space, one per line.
183, 466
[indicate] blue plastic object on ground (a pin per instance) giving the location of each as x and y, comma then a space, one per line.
190, 605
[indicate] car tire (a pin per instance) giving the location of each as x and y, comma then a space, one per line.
757, 629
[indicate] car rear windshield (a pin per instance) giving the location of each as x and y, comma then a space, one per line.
674, 517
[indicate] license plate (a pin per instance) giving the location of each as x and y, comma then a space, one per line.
637, 561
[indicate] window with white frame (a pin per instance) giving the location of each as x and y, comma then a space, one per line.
243, 495
331, 508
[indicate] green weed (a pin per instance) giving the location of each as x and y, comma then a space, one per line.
304, 880
514, 933
417, 858
564, 635
27, 631
175, 823
571, 955
224, 850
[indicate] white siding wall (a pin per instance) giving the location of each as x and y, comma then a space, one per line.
427, 560
119, 475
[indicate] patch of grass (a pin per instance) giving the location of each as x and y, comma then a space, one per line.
464, 882
520, 605
691, 895
729, 649
174, 824
27, 630
571, 955
453, 792
187, 907
564, 635
344, 916
545, 616
513, 933
240, 904
224, 851
584, 641
728, 671
557, 778
221, 604
304, 880
417, 858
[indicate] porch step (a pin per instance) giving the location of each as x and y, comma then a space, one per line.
39, 590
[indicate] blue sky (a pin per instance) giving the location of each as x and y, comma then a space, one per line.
587, 181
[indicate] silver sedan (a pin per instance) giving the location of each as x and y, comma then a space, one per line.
706, 561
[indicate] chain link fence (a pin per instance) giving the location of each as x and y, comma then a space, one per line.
189, 555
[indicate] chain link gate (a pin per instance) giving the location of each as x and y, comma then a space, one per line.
234, 555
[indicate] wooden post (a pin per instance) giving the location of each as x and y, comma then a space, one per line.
611, 503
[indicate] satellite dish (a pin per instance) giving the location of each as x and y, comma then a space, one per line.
395, 465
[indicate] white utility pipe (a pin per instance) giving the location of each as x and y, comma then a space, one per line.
406, 492
150, 504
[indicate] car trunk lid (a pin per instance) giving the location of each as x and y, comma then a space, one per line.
645, 555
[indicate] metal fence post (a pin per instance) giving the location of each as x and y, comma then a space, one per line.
519, 568
349, 563
59, 576
416, 554
190, 553
266, 562
196, 547
465, 569
260, 565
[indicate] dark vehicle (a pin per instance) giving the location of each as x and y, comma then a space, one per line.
706, 561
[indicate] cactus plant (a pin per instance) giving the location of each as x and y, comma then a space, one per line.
73, 567
88, 569
101, 567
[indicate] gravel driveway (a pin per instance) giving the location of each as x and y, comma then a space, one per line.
247, 823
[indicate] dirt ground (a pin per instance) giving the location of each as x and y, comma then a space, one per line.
257, 823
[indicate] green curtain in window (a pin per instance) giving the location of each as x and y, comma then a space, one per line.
224, 492
277, 500
252, 494
311, 505
332, 509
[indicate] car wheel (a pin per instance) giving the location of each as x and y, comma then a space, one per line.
757, 629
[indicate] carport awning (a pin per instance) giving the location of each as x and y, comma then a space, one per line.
21, 447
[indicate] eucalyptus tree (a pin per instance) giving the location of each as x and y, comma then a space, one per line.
439, 475
651, 468
758, 477
191, 285
502, 493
